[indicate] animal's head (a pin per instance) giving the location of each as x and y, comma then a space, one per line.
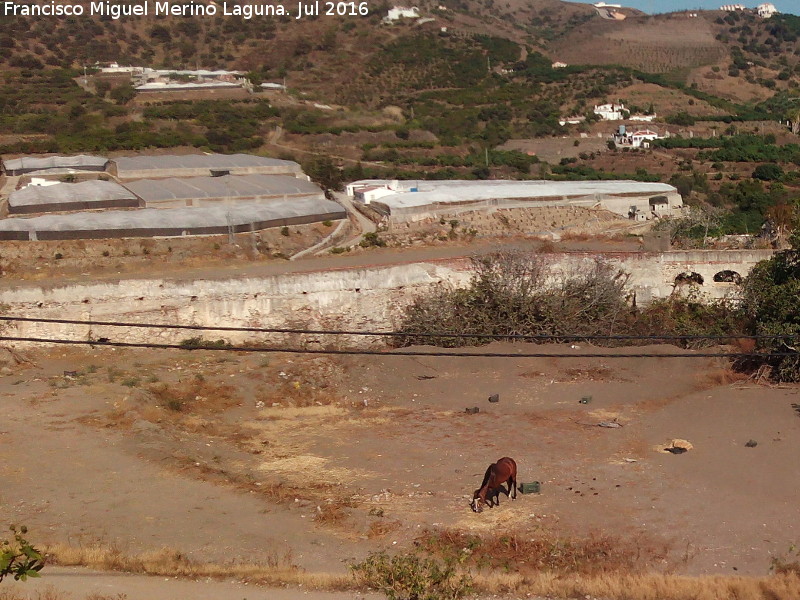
476, 502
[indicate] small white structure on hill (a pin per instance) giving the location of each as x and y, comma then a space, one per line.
558, 65
732, 7
612, 111
639, 138
765, 11
401, 12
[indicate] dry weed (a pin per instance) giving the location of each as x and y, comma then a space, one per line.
278, 569
197, 394
331, 514
590, 555
639, 586
381, 528
718, 377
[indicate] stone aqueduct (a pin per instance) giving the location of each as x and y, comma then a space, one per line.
354, 298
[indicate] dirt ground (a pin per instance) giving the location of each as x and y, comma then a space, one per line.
316, 461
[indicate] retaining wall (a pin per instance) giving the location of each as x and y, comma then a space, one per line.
357, 299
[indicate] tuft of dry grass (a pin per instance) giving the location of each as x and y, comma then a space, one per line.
718, 377
331, 514
198, 394
381, 528
277, 570
647, 586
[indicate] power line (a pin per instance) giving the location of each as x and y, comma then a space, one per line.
352, 352
405, 334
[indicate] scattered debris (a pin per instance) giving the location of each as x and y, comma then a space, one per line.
630, 460
678, 446
472, 411
425, 377
676, 450
534, 487
609, 424
585, 400
494, 398
751, 444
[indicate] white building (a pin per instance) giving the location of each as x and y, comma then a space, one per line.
640, 138
604, 5
558, 65
40, 182
611, 112
573, 120
402, 12
765, 11
410, 201
732, 7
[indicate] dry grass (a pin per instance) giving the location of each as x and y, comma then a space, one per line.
46, 594
381, 528
280, 570
640, 587
198, 394
718, 377
591, 555
331, 514
277, 570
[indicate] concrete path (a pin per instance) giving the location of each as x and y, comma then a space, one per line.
364, 225
76, 583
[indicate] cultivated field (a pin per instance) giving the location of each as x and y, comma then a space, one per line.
283, 468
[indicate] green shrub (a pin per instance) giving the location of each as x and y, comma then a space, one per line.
771, 300
18, 558
411, 577
372, 239
199, 342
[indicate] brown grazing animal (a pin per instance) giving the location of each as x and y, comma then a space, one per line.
504, 470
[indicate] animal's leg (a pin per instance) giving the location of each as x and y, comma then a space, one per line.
512, 485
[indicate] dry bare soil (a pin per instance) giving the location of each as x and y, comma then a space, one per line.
313, 461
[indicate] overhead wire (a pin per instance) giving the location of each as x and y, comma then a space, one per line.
400, 334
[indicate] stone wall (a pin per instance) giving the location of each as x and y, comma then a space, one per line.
354, 299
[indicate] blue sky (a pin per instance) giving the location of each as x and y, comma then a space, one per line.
660, 6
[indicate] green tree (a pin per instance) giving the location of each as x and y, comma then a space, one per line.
323, 171
771, 300
18, 558
123, 93
768, 172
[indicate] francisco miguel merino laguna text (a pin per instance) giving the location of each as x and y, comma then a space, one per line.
246, 11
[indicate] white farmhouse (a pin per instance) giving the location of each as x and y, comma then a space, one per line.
765, 11
635, 139
611, 112
401, 12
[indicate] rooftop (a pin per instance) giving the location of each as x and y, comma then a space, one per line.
153, 190
199, 161
63, 193
54, 162
164, 218
430, 192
